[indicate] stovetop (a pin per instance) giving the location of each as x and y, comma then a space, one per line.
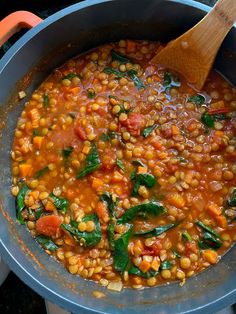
15, 296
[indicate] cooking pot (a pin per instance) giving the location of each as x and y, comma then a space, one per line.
61, 36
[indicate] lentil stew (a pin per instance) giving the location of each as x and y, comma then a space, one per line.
123, 172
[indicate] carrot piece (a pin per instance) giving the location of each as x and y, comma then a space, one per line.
50, 206
25, 170
97, 183
176, 200
213, 209
102, 212
35, 194
86, 149
210, 256
141, 170
130, 46
117, 177
175, 130
219, 133
48, 225
69, 241
75, 90
37, 140
156, 144
222, 221
34, 114
155, 264
144, 266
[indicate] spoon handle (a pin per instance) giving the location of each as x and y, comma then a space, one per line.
210, 32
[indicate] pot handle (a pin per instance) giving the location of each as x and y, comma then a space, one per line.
16, 21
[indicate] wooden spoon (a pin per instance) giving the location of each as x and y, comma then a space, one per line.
193, 53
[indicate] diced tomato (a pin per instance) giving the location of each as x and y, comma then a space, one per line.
191, 247
49, 225
108, 160
134, 123
80, 132
102, 212
156, 247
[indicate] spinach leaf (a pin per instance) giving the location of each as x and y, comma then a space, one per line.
156, 231
66, 152
120, 253
210, 238
110, 201
106, 137
111, 234
89, 238
147, 131
41, 172
171, 80
207, 228
182, 160
120, 164
120, 58
118, 74
123, 110
70, 76
38, 212
20, 202
132, 74
186, 236
60, 203
145, 179
166, 265
45, 100
197, 99
36, 132
91, 93
151, 208
72, 115
92, 162
207, 120
176, 253
209, 241
47, 243
133, 270
138, 163
232, 200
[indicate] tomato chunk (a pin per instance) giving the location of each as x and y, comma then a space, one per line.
49, 225
80, 132
134, 123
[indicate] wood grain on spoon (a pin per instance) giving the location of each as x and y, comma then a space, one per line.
193, 53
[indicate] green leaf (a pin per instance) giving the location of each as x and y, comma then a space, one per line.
210, 238
145, 179
66, 152
166, 265
209, 241
20, 202
111, 234
41, 172
120, 164
47, 243
156, 231
232, 200
45, 100
119, 57
207, 120
186, 236
138, 163
120, 253
38, 212
197, 99
60, 203
70, 76
147, 131
104, 137
171, 80
182, 160
132, 74
207, 228
118, 74
88, 238
72, 115
92, 162
91, 93
133, 270
176, 253
110, 201
151, 208
36, 132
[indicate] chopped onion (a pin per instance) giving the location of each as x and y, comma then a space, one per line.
215, 186
115, 286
